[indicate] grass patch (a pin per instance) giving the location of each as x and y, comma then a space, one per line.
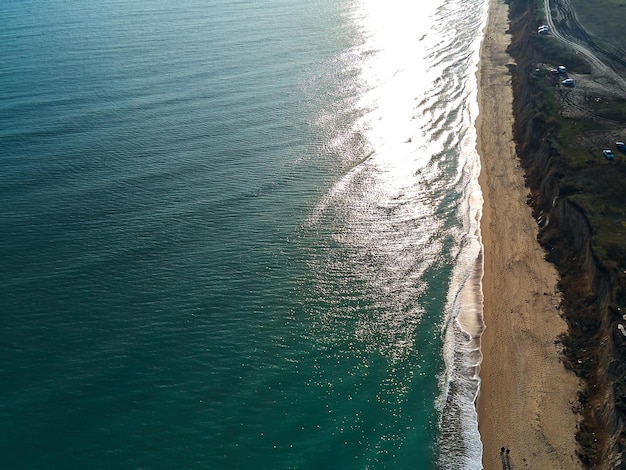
552, 51
604, 19
589, 179
614, 110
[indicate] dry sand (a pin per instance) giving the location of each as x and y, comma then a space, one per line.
526, 396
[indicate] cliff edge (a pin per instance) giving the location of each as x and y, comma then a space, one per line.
559, 135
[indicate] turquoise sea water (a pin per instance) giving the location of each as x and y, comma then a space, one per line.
234, 234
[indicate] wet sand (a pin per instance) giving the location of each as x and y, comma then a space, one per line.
526, 397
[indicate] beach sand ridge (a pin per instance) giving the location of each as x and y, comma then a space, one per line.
525, 406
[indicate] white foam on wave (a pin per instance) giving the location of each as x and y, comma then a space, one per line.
460, 445
417, 105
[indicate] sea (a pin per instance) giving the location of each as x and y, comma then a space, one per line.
239, 234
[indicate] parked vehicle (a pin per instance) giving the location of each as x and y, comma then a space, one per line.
608, 154
543, 29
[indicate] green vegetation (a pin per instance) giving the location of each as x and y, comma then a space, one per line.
594, 183
551, 51
614, 110
539, 11
604, 19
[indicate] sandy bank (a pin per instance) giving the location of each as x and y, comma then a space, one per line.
526, 398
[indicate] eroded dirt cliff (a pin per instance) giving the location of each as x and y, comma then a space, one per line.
594, 347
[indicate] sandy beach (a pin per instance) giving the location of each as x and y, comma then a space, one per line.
526, 396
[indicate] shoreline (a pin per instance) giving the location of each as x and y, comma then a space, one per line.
526, 396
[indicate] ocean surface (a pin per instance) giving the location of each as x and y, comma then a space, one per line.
239, 234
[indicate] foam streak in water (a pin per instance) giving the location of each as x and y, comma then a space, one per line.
408, 209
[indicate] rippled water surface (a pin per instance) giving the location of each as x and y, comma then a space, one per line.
236, 234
